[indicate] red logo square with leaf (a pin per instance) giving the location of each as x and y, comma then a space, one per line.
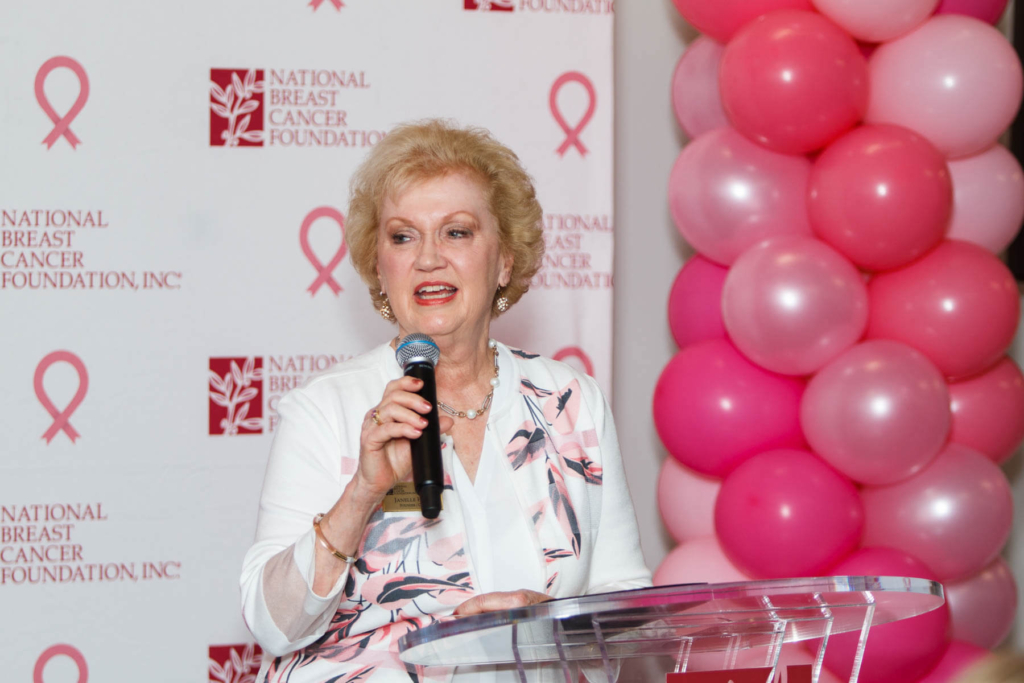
236, 107
489, 5
236, 396
235, 663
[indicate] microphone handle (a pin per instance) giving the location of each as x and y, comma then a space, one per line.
427, 467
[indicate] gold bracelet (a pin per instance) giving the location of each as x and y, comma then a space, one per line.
327, 544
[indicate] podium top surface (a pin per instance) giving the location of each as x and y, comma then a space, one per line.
659, 620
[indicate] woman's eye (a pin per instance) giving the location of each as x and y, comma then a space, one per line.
399, 238
458, 232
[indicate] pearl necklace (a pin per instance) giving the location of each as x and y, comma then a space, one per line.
471, 414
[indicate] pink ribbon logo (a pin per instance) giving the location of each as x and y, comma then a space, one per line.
62, 124
576, 352
572, 135
315, 4
324, 276
56, 651
60, 417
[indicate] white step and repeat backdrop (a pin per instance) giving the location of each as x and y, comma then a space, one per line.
173, 188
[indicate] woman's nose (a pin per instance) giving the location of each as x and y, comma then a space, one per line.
429, 256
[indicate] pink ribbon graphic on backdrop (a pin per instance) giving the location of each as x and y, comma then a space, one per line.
576, 352
315, 4
572, 135
324, 276
55, 651
62, 124
60, 417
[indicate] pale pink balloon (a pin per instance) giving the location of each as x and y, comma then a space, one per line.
988, 411
786, 513
955, 79
713, 408
698, 561
958, 305
881, 195
793, 81
988, 11
695, 302
686, 500
792, 304
878, 413
957, 664
874, 21
695, 96
954, 516
988, 198
726, 194
722, 18
984, 606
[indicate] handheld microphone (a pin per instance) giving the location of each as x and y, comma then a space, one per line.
418, 354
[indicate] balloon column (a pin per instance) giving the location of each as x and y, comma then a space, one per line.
841, 400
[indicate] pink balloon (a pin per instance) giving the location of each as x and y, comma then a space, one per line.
988, 411
793, 81
897, 652
955, 515
695, 96
787, 513
874, 21
722, 18
878, 413
686, 500
955, 80
988, 198
713, 408
695, 302
881, 195
958, 305
726, 194
792, 304
988, 11
697, 561
955, 662
984, 606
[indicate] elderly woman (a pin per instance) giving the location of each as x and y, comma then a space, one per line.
445, 228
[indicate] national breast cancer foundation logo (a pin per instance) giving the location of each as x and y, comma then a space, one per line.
578, 354
572, 133
315, 4
236, 107
489, 5
236, 396
61, 418
58, 651
324, 273
61, 124
235, 663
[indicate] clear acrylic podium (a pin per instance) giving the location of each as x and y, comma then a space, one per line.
646, 634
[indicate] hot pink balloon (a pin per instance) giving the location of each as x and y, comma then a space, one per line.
874, 21
878, 413
958, 658
695, 96
958, 305
793, 81
988, 198
955, 80
881, 195
726, 194
792, 304
988, 411
686, 500
984, 606
786, 513
713, 408
722, 18
695, 302
954, 516
898, 652
988, 11
698, 561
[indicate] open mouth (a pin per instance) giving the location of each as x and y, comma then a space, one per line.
431, 293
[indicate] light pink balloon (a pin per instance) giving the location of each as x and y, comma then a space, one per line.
726, 194
881, 195
874, 21
686, 500
713, 408
988, 198
984, 606
988, 11
695, 96
878, 413
956, 662
698, 561
695, 302
954, 516
958, 305
955, 80
792, 304
988, 411
793, 81
786, 513
722, 18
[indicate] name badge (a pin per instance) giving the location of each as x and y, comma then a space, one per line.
403, 498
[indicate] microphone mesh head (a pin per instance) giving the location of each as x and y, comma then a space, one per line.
417, 348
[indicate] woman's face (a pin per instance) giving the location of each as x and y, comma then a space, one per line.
439, 256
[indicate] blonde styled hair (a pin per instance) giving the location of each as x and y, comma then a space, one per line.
423, 150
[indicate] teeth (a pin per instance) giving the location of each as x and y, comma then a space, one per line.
433, 289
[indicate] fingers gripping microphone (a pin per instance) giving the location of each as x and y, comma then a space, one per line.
418, 354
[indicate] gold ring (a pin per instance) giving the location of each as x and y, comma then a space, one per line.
375, 416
